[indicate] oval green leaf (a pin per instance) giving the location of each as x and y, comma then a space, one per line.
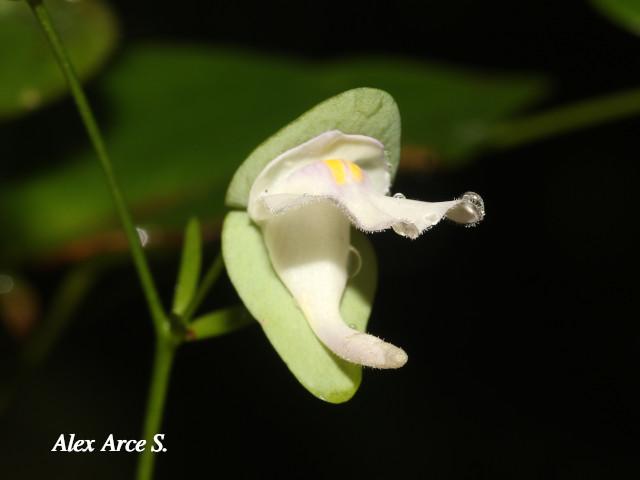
30, 76
268, 300
363, 111
626, 13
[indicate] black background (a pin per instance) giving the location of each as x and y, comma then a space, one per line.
522, 333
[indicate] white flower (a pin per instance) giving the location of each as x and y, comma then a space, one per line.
304, 201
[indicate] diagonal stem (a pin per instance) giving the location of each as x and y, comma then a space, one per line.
166, 341
158, 316
566, 118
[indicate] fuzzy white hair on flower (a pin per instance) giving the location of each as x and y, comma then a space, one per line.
304, 201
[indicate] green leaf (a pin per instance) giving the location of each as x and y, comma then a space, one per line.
363, 111
219, 323
320, 371
179, 120
626, 13
190, 265
30, 76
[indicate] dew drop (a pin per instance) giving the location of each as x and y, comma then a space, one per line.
144, 236
354, 262
399, 195
473, 200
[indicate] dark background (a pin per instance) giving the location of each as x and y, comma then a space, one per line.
522, 333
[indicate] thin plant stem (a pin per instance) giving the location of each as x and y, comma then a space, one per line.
166, 340
162, 363
158, 316
214, 271
564, 119
66, 301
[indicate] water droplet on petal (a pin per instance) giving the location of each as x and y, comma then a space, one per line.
354, 262
475, 202
353, 325
398, 195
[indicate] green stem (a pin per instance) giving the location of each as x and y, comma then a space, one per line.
162, 363
214, 271
151, 294
166, 342
566, 119
68, 297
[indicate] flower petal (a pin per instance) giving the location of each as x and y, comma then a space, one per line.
364, 151
410, 218
309, 248
367, 209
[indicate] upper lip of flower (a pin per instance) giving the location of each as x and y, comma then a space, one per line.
304, 201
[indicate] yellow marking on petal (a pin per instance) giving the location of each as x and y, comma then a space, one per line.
337, 170
356, 171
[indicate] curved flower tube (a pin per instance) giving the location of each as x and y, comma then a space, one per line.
304, 201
